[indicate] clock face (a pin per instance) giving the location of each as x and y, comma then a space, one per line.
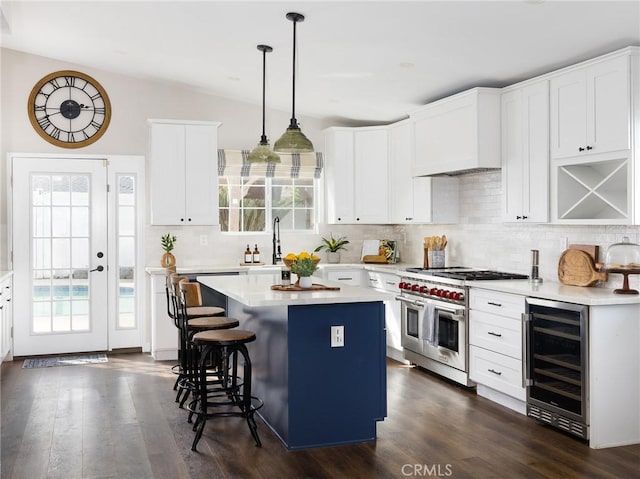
69, 109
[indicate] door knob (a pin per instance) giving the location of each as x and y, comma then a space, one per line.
97, 268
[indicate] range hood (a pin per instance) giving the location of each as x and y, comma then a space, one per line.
458, 135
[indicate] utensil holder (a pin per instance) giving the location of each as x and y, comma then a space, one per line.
437, 259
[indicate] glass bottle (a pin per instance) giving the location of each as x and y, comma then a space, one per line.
256, 255
248, 256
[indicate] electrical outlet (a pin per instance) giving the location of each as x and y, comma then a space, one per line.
204, 240
337, 336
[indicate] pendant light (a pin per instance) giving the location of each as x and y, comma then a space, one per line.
293, 140
262, 153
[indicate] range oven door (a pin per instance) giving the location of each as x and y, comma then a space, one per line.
450, 344
411, 323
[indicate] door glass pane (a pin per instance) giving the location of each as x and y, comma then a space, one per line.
61, 258
60, 221
126, 303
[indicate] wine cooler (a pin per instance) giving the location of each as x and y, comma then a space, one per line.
557, 379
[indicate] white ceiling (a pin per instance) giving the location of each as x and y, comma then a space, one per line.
358, 61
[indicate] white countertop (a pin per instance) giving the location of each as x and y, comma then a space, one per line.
388, 268
559, 292
255, 290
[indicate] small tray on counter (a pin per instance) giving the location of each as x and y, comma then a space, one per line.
252, 264
295, 287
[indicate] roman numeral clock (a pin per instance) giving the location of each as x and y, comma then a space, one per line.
69, 109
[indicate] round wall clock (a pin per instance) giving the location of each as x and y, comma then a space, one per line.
69, 109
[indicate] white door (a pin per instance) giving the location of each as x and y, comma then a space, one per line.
75, 256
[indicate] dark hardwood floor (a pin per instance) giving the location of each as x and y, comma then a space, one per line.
119, 420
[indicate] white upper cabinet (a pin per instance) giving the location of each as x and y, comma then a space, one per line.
590, 109
371, 169
184, 177
357, 175
458, 133
525, 153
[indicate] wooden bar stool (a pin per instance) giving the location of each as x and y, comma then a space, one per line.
229, 394
195, 309
188, 327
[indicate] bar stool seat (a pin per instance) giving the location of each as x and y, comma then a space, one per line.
198, 311
228, 394
212, 323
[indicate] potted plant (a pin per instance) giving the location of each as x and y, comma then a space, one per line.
333, 247
168, 242
304, 265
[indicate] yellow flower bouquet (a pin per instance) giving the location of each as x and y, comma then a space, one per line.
303, 264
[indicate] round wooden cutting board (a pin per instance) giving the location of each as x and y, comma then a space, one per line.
577, 268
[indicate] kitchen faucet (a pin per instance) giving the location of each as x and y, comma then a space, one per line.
277, 253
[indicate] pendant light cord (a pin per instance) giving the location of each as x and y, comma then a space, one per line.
294, 122
263, 139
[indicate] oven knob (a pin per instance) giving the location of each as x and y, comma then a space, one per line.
452, 295
444, 293
414, 287
407, 286
460, 296
422, 289
439, 292
433, 291
401, 285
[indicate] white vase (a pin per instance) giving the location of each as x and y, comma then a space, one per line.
305, 281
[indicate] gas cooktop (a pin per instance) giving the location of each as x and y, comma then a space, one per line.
462, 273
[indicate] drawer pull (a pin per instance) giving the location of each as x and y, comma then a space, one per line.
494, 304
497, 373
494, 334
345, 279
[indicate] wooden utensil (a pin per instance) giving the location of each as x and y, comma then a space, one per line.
577, 268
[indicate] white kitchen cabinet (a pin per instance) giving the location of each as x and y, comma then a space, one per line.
495, 347
388, 283
590, 109
458, 133
339, 175
525, 153
6, 319
357, 175
416, 199
184, 178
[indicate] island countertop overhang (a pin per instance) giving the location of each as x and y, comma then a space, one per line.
255, 291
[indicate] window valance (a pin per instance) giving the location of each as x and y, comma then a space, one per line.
292, 165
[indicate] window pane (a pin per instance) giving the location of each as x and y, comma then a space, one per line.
126, 251
126, 191
80, 190
41, 190
245, 204
303, 197
80, 221
80, 253
61, 190
60, 253
60, 221
127, 220
41, 222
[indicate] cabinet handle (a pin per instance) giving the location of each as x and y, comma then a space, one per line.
339, 219
580, 149
182, 219
357, 219
518, 217
494, 304
345, 279
524, 217
494, 334
189, 219
408, 219
589, 147
497, 373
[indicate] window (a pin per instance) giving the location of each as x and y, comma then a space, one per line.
250, 203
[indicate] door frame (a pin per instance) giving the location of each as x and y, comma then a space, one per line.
129, 164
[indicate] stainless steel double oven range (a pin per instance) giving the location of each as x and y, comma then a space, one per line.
435, 312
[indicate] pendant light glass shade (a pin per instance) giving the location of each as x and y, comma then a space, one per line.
262, 153
293, 140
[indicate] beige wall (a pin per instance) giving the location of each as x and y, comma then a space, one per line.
133, 101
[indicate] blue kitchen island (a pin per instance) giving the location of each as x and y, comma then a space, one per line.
314, 394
